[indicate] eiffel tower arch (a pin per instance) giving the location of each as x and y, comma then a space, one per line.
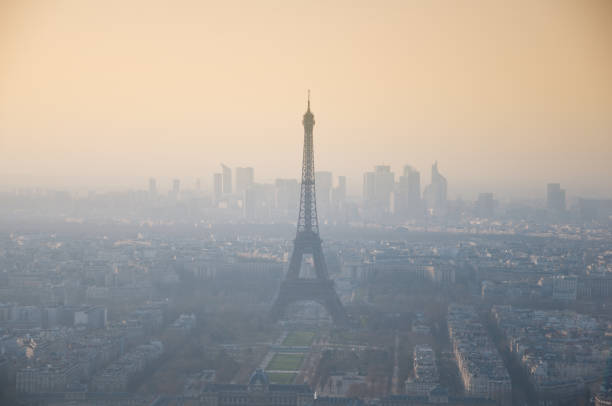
307, 241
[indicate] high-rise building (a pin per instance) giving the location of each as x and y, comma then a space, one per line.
244, 178
152, 188
227, 179
369, 188
287, 195
435, 193
378, 187
384, 183
555, 197
414, 184
217, 186
176, 187
259, 201
339, 192
408, 193
595, 209
485, 205
323, 180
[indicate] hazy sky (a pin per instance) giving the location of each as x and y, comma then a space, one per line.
506, 95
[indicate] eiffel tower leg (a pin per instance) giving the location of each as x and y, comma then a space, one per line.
319, 262
295, 263
318, 290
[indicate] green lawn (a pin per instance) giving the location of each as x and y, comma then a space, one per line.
285, 362
281, 377
299, 338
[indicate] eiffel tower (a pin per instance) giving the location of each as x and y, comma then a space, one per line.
307, 241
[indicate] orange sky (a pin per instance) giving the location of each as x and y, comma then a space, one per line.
505, 95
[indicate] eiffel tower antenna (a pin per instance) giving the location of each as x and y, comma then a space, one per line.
307, 241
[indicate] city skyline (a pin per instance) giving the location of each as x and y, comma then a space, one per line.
126, 95
353, 188
446, 242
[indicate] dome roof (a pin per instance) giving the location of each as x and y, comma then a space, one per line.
259, 377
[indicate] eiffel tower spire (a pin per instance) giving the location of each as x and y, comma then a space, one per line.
307, 219
307, 241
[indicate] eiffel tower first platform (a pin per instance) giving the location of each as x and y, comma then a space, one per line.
307, 241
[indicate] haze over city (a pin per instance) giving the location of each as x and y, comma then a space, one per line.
319, 203
102, 95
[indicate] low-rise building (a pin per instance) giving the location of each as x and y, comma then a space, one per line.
425, 377
45, 378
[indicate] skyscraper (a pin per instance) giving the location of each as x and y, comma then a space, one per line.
227, 179
369, 188
249, 207
378, 188
323, 180
435, 193
555, 197
414, 184
259, 201
384, 181
217, 186
485, 205
287, 195
339, 192
152, 188
176, 187
244, 178
408, 193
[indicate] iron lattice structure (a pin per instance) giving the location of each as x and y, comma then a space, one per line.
308, 220
307, 241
